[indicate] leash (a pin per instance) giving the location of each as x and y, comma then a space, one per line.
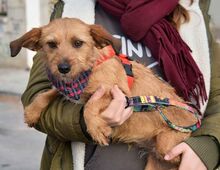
150, 103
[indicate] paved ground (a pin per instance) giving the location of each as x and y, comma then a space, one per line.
20, 147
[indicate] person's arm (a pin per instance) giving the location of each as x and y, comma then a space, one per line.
62, 118
207, 138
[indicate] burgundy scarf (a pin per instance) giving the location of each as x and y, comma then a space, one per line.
143, 20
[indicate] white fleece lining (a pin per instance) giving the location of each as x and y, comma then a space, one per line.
78, 153
82, 9
193, 33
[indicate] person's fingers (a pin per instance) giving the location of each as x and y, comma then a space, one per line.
190, 160
124, 116
127, 113
176, 151
113, 112
117, 105
98, 94
117, 93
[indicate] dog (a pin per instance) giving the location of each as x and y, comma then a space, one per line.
71, 47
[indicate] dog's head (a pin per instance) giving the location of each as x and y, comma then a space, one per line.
70, 45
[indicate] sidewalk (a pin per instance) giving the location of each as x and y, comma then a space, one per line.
20, 147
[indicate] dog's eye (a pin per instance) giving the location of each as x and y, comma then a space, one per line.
52, 44
77, 43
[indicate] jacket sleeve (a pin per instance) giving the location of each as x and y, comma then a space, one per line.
211, 122
61, 118
206, 140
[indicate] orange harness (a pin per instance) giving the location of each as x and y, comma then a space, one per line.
128, 69
108, 52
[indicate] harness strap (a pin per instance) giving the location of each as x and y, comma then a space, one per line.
149, 103
128, 69
108, 52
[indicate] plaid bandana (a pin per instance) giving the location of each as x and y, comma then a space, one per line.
72, 89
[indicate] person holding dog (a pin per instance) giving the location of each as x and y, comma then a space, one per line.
198, 152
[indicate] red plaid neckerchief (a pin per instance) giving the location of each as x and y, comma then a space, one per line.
73, 89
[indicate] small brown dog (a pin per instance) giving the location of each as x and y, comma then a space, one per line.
71, 47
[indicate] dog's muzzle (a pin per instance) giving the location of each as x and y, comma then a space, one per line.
64, 68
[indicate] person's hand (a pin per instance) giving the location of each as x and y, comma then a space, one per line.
116, 113
190, 160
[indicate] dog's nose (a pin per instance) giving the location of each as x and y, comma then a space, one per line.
64, 68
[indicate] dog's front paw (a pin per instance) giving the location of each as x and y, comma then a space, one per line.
31, 116
99, 130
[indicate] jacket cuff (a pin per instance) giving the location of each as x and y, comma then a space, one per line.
83, 125
206, 148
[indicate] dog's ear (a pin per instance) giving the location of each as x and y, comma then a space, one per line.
29, 40
102, 38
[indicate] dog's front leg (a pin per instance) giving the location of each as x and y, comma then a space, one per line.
32, 112
97, 127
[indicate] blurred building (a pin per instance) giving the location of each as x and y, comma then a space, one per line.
215, 13
16, 17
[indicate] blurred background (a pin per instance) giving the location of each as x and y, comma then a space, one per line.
21, 147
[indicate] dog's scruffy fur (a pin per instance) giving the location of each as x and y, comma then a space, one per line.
57, 42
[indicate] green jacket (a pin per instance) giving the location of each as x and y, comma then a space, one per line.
61, 120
